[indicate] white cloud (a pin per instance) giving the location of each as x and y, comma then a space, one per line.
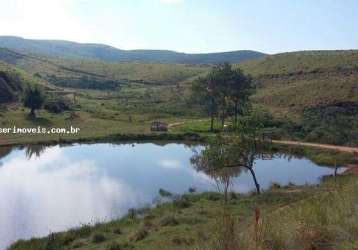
172, 1
169, 164
41, 19
53, 193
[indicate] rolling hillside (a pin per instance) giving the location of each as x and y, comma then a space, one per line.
95, 74
313, 95
107, 53
293, 82
288, 82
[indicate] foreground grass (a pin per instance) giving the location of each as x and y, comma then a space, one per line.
326, 220
319, 217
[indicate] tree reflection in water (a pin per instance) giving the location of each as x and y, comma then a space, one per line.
4, 151
224, 158
34, 150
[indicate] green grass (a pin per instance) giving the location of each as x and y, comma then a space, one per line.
326, 220
92, 126
291, 82
305, 61
150, 73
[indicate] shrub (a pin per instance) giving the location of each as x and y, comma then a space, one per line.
82, 232
68, 238
132, 213
57, 105
182, 241
52, 243
98, 238
113, 246
212, 196
78, 244
117, 231
164, 193
139, 235
168, 220
181, 202
192, 190
275, 185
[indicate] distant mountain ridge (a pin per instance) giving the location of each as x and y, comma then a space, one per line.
110, 54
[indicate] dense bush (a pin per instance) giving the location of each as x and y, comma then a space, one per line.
57, 105
98, 238
336, 124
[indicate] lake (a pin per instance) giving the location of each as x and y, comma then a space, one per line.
50, 189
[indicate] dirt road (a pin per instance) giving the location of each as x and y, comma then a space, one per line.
316, 145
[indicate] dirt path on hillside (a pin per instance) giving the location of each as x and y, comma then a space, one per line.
353, 150
297, 143
317, 145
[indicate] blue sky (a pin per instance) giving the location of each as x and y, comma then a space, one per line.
194, 26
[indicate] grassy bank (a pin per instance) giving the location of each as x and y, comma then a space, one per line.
309, 217
94, 121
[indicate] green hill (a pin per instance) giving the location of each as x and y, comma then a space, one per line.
293, 82
287, 83
107, 53
313, 95
95, 74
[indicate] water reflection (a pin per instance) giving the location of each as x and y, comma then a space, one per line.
34, 150
4, 151
52, 193
49, 189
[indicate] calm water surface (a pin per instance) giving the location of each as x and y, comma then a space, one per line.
51, 189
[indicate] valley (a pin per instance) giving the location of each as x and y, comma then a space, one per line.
301, 99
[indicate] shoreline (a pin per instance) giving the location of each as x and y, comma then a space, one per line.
167, 221
113, 137
196, 137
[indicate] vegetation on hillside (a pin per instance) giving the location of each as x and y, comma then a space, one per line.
294, 89
291, 82
107, 53
12, 83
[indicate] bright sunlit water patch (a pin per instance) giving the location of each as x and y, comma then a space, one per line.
51, 189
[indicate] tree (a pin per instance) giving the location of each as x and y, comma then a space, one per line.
34, 99
205, 93
223, 90
241, 88
215, 161
227, 155
223, 76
